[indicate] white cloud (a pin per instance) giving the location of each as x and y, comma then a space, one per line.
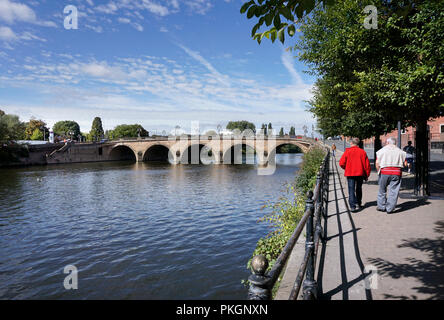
155, 8
159, 88
11, 12
195, 55
288, 62
109, 8
6, 34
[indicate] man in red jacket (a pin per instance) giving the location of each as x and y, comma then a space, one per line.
357, 169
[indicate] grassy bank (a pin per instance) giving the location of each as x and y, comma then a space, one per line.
288, 210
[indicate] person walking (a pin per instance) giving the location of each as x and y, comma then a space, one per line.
357, 168
333, 149
389, 162
409, 150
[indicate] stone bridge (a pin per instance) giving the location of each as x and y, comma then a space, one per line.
201, 149
176, 150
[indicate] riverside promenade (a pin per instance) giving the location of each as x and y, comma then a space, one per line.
372, 255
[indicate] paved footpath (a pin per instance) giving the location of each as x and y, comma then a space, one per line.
375, 255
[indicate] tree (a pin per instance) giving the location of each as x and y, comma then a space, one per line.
270, 129
128, 131
37, 135
281, 132
67, 129
371, 79
211, 133
32, 126
241, 125
292, 131
11, 128
276, 12
96, 132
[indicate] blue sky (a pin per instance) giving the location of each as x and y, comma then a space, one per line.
160, 63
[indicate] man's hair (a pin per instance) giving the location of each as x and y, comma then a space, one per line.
391, 141
409, 143
355, 141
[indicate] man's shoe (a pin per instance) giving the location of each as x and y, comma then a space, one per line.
382, 210
354, 210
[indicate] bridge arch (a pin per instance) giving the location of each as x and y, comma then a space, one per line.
197, 153
157, 153
122, 153
303, 148
244, 152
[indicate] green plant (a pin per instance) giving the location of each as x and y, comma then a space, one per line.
289, 209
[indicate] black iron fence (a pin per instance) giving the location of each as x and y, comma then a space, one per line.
262, 282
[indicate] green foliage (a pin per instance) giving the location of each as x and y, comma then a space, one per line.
281, 132
288, 148
211, 133
96, 132
127, 131
292, 131
32, 126
64, 128
273, 14
37, 135
370, 79
11, 128
306, 179
241, 125
289, 209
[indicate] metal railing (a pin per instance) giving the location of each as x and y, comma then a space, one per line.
261, 282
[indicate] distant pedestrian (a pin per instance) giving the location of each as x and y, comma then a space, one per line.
389, 162
357, 169
333, 149
410, 151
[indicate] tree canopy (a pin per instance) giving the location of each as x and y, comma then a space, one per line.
127, 131
279, 16
370, 79
32, 126
241, 125
96, 132
64, 128
11, 128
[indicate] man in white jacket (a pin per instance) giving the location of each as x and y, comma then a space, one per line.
389, 162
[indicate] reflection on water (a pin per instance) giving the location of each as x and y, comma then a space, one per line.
133, 230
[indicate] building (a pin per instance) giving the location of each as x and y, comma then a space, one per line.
436, 127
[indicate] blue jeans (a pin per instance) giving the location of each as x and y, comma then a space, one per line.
355, 191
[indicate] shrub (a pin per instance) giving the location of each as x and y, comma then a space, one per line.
289, 209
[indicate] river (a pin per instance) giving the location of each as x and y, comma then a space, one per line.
133, 230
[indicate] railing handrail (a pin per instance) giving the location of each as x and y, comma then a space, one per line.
261, 283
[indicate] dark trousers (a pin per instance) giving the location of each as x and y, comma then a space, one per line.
354, 191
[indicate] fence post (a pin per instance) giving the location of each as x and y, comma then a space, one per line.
310, 286
259, 288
